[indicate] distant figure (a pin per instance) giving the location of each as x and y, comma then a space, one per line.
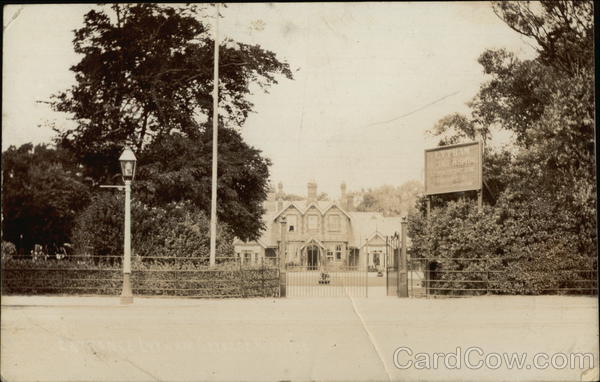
38, 253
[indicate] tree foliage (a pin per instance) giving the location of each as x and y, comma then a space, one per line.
177, 229
176, 168
146, 79
546, 102
517, 252
563, 31
147, 71
390, 200
544, 184
42, 192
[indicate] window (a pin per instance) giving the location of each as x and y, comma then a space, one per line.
313, 222
334, 222
247, 257
329, 255
338, 252
292, 222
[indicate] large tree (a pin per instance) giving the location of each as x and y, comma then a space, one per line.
546, 102
176, 168
145, 79
146, 71
544, 183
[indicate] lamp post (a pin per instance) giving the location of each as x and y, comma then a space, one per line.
128, 161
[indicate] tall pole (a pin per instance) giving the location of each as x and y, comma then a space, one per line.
215, 137
126, 294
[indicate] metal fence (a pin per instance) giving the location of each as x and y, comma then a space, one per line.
392, 251
454, 277
151, 276
323, 281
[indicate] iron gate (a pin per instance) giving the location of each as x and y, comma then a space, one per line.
326, 280
392, 250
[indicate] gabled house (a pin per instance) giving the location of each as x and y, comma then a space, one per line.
321, 232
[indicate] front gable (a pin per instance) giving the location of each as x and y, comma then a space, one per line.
336, 220
291, 206
313, 219
376, 240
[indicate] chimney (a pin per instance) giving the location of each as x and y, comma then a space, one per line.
312, 192
279, 197
349, 203
343, 196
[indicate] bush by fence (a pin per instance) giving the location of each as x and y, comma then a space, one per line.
159, 276
173, 230
465, 252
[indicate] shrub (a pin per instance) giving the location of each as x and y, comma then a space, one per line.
175, 230
8, 249
502, 250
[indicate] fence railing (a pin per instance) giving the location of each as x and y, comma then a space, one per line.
151, 276
479, 276
323, 281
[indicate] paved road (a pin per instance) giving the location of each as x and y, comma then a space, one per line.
92, 338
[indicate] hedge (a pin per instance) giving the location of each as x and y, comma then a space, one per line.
495, 251
156, 278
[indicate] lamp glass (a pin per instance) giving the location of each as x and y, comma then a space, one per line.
128, 169
128, 162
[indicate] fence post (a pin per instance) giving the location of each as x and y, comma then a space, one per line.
262, 277
241, 278
427, 278
402, 266
282, 258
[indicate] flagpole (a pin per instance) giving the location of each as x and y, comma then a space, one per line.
215, 136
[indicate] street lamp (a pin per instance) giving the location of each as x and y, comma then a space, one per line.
128, 161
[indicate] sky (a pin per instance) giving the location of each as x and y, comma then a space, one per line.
369, 80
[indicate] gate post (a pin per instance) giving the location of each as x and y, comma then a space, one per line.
282, 258
402, 266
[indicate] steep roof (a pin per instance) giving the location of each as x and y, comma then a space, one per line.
302, 206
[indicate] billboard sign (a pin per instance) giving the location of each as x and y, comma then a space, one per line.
453, 168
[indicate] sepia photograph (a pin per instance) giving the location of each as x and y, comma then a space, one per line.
299, 191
